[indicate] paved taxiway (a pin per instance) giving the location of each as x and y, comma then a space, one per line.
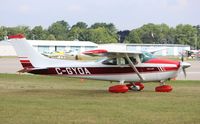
12, 65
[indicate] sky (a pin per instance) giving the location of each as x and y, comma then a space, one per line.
124, 14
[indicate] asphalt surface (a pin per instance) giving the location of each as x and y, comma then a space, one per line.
12, 65
193, 72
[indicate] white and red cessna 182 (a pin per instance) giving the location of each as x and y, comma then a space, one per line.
131, 67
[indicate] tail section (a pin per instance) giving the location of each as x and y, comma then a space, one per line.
25, 62
29, 57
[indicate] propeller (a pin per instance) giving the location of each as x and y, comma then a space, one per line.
185, 65
184, 72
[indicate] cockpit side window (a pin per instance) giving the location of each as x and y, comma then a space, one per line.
112, 61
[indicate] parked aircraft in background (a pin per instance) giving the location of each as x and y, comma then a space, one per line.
130, 68
56, 54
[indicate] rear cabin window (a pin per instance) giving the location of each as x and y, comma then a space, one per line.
112, 61
119, 61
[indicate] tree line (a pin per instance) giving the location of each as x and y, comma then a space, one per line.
107, 33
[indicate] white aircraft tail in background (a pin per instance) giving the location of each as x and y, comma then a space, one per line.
28, 56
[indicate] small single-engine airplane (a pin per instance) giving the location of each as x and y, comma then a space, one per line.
132, 67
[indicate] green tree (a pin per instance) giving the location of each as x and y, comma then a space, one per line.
38, 33
51, 37
151, 33
76, 32
107, 33
18, 30
59, 29
133, 37
3, 32
198, 36
185, 34
163, 35
81, 25
101, 35
110, 27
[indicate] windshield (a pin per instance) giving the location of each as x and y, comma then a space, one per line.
100, 59
145, 56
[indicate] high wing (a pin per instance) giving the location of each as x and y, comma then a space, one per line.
109, 53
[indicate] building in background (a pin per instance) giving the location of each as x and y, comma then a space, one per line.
76, 47
6, 49
46, 46
165, 49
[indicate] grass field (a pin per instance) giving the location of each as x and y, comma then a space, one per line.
30, 99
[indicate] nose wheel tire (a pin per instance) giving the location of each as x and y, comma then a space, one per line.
164, 88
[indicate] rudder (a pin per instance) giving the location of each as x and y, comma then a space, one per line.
29, 57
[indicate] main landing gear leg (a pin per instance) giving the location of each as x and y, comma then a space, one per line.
136, 86
121, 88
163, 87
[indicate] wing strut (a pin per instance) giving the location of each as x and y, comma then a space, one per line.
134, 68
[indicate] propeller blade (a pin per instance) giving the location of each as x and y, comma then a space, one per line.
184, 72
185, 65
182, 57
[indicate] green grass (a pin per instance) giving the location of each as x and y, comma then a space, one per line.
30, 99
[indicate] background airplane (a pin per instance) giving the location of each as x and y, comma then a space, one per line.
132, 67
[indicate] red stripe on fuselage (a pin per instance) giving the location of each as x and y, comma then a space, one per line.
97, 70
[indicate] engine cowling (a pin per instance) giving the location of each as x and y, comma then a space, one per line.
118, 89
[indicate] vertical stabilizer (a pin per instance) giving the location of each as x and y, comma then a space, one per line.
28, 56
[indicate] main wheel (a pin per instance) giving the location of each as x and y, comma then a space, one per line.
118, 89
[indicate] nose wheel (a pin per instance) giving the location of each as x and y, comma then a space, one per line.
163, 88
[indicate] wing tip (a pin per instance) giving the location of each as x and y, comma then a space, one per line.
17, 36
97, 51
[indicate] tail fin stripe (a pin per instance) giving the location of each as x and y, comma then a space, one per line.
27, 65
25, 61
